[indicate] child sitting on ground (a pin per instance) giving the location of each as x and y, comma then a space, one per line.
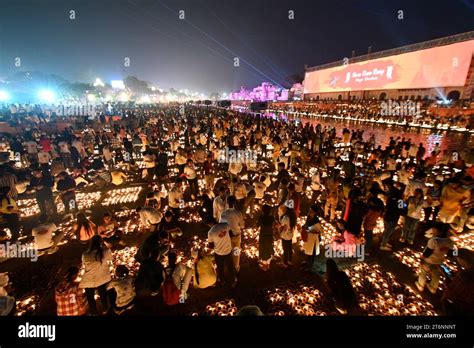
121, 290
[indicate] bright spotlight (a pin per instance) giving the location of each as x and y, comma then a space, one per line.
46, 96
117, 84
4, 96
98, 82
90, 97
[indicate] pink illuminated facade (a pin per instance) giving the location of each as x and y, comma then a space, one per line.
264, 92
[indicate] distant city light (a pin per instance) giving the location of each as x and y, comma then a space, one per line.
123, 97
46, 95
145, 99
4, 96
117, 84
98, 83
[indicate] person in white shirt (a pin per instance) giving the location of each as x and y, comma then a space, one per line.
220, 240
46, 240
235, 219
191, 175
287, 220
419, 182
122, 289
235, 167
77, 143
239, 190
249, 189
153, 199
180, 160
260, 188
313, 229
180, 273
175, 197
149, 159
31, 147
438, 247
219, 204
200, 155
32, 150
416, 203
44, 158
300, 181
149, 217
97, 273
65, 153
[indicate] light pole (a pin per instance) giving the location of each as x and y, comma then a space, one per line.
87, 104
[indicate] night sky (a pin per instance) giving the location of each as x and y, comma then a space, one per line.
198, 53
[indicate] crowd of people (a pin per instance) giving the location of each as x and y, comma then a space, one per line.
422, 113
298, 174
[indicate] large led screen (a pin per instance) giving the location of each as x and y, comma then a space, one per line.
443, 66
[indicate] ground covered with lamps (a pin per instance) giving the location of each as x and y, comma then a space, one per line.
382, 291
